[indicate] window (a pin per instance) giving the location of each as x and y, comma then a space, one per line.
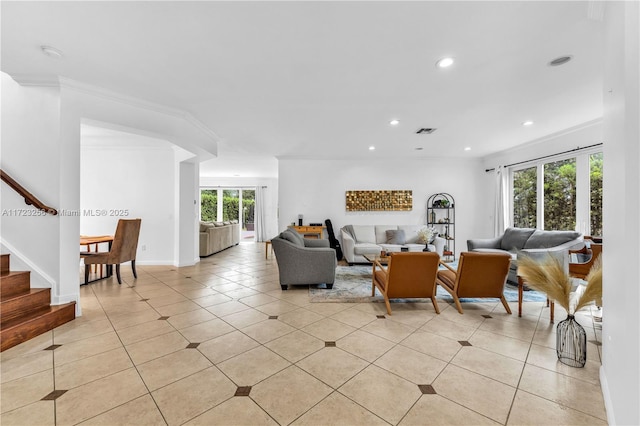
563, 194
525, 183
595, 178
560, 195
228, 204
209, 205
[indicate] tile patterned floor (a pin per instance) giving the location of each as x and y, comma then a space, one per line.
221, 343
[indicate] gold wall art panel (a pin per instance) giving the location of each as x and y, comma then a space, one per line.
393, 200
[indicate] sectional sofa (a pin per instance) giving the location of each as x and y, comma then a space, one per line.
217, 236
358, 240
530, 242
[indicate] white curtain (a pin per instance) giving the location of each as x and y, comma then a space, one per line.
260, 231
501, 216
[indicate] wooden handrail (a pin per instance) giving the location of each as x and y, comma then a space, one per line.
29, 198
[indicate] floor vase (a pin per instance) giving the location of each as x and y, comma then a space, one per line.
571, 343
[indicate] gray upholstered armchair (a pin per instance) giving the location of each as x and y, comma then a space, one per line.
304, 261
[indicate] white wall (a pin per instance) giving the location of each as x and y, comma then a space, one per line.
41, 148
187, 250
317, 189
270, 195
29, 152
139, 180
620, 373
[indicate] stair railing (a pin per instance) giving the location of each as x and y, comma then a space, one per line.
29, 198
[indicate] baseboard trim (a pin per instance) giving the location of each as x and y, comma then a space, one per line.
608, 405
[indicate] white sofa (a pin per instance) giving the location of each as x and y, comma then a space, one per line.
217, 236
370, 239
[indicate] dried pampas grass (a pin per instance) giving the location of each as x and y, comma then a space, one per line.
548, 276
593, 292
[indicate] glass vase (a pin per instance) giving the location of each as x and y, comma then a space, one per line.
571, 342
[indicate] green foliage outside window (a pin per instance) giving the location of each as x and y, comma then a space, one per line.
208, 205
596, 193
560, 195
525, 186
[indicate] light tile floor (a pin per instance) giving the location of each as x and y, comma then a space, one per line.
221, 343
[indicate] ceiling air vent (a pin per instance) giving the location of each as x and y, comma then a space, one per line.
425, 131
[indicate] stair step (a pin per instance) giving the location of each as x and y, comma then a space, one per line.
14, 282
19, 304
4, 263
34, 323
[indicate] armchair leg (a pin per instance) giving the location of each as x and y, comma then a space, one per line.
133, 266
284, 286
505, 304
435, 304
118, 273
386, 302
329, 286
458, 305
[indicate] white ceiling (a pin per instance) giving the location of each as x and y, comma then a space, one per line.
323, 79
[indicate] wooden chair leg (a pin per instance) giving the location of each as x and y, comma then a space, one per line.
435, 304
118, 273
386, 302
458, 305
520, 295
505, 304
133, 266
86, 274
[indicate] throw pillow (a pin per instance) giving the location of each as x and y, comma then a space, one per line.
396, 236
204, 226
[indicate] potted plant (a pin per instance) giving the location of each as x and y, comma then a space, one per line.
426, 235
549, 276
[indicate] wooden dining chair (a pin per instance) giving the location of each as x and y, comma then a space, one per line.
408, 275
123, 249
479, 275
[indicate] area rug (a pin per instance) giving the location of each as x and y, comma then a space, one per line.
353, 284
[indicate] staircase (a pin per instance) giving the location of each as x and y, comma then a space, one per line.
26, 312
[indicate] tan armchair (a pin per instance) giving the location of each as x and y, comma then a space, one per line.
582, 269
408, 275
123, 249
479, 275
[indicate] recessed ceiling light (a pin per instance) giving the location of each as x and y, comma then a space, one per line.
51, 52
468, 148
394, 122
444, 62
419, 148
527, 123
560, 60
372, 148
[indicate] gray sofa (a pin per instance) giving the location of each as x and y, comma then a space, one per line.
530, 242
304, 261
358, 240
217, 236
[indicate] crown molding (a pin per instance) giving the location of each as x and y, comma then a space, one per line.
80, 87
36, 80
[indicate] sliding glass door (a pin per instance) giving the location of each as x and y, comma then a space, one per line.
226, 204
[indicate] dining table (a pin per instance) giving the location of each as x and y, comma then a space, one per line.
95, 240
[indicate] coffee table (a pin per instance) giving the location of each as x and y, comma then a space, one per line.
384, 260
